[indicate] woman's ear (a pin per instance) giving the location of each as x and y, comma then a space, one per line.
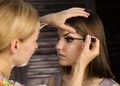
14, 46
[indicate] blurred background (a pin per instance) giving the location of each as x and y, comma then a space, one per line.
44, 62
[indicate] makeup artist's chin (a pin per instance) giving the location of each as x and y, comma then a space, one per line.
22, 65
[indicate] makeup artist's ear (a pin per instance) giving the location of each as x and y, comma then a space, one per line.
14, 46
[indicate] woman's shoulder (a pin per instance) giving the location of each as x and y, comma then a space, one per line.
6, 82
55, 79
51, 81
108, 82
116, 84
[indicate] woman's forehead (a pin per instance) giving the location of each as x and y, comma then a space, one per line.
67, 33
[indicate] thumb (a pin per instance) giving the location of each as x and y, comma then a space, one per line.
87, 42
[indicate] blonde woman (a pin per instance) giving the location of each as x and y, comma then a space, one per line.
19, 30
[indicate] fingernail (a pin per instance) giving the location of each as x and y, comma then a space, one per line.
73, 31
88, 36
88, 13
83, 8
86, 16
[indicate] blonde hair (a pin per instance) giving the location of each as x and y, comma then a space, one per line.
18, 19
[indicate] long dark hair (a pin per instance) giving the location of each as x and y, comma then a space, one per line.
99, 67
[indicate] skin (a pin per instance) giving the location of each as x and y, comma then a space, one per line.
68, 56
86, 56
66, 48
24, 50
27, 48
74, 53
58, 19
18, 54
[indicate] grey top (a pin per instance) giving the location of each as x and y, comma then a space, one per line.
104, 82
58, 79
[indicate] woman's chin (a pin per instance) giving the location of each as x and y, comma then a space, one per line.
62, 63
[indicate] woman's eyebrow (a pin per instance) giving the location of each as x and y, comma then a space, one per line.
67, 34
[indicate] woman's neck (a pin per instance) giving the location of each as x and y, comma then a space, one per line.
80, 75
5, 66
93, 81
83, 69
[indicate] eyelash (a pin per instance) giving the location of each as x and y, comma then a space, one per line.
69, 39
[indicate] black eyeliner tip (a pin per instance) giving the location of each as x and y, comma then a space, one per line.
93, 40
84, 39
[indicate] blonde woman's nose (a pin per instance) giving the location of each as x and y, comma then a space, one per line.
36, 46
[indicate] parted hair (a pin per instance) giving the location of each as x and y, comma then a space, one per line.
99, 67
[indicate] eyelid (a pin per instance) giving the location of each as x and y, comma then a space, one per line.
68, 36
74, 38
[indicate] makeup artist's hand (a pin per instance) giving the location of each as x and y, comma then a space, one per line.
58, 19
86, 56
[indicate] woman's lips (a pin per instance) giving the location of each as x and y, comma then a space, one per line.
61, 56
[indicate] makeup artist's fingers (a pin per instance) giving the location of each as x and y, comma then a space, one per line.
88, 54
95, 45
74, 12
58, 19
87, 42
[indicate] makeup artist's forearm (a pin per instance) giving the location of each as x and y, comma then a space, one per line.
46, 19
78, 76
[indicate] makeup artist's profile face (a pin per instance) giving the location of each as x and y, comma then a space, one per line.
27, 48
68, 48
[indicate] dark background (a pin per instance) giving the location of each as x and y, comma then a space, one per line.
44, 62
109, 11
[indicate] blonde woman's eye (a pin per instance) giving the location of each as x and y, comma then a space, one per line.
69, 39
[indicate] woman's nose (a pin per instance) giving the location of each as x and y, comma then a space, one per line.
59, 45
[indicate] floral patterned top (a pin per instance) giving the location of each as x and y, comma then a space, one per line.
5, 82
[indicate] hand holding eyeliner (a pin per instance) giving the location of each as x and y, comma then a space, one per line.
92, 40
